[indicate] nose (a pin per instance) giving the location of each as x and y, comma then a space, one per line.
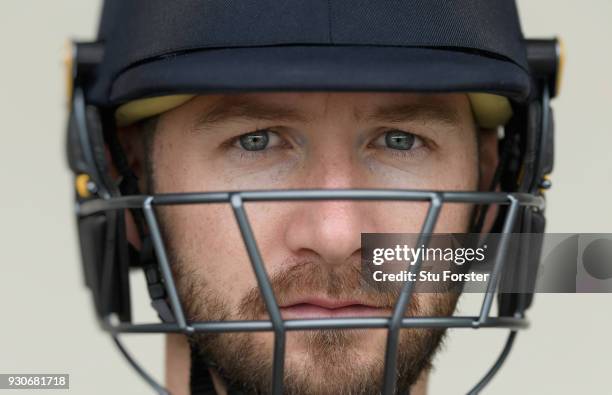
329, 230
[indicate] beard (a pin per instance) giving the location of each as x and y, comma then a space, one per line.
329, 361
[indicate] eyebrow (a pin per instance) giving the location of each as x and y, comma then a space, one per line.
403, 112
246, 109
255, 110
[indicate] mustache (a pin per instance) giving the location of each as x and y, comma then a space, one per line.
303, 278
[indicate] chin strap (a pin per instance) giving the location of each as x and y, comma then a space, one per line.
155, 283
200, 381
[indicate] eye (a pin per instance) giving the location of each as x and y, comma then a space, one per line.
399, 140
257, 141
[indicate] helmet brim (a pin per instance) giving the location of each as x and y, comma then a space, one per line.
322, 68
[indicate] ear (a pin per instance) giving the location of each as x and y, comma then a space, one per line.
488, 159
131, 139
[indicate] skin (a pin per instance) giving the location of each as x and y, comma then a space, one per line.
310, 249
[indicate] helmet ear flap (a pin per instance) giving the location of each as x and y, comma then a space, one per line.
105, 258
92, 234
518, 279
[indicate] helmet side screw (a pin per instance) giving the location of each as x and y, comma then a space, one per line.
545, 183
85, 187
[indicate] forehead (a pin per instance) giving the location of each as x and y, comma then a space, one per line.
317, 106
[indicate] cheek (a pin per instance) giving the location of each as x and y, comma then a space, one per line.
449, 170
204, 238
206, 241
409, 217
461, 174
456, 166
451, 166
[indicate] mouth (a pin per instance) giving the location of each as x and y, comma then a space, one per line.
330, 308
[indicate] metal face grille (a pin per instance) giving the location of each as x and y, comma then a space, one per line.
279, 326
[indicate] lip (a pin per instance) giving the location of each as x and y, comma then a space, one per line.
329, 308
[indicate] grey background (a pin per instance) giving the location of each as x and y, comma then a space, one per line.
46, 321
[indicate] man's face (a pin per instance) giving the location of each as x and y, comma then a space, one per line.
311, 250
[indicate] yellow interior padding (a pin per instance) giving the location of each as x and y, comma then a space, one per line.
140, 109
490, 111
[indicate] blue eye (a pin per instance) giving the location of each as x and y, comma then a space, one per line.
399, 140
258, 141
255, 141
